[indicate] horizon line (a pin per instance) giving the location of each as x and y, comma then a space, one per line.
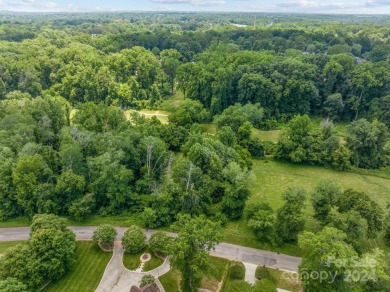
190, 11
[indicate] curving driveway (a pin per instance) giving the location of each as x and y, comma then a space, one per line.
117, 278
223, 250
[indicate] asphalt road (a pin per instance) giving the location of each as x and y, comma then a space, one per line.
224, 250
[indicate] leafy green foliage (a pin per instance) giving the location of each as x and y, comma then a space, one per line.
189, 253
325, 250
189, 112
261, 217
263, 273
48, 254
160, 242
12, 285
323, 198
365, 206
104, 234
133, 239
146, 280
289, 218
236, 115
237, 271
264, 285
366, 141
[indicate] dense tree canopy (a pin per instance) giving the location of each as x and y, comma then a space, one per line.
47, 255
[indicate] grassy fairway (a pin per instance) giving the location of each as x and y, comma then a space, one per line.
87, 272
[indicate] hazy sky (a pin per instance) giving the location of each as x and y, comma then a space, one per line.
307, 6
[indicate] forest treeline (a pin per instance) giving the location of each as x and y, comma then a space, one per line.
337, 71
67, 147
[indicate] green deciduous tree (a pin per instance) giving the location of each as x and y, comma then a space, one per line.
365, 206
189, 112
334, 105
289, 218
160, 242
197, 236
367, 141
380, 109
47, 255
31, 176
170, 64
324, 198
261, 218
322, 251
104, 234
69, 188
351, 223
133, 239
295, 145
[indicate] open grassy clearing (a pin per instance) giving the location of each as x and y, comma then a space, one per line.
271, 135
132, 260
86, 274
162, 116
273, 178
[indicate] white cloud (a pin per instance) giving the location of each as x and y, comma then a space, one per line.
191, 2
378, 3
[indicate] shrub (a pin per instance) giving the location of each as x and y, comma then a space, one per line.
263, 273
237, 271
104, 234
240, 285
146, 280
134, 239
264, 285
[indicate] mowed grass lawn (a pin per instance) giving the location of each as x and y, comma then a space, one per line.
87, 272
133, 260
171, 281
